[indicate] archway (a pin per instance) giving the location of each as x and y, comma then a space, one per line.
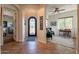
8, 23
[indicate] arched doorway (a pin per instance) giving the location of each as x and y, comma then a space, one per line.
8, 23
32, 26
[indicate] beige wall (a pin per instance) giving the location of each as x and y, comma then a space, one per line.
0, 24
20, 26
0, 29
41, 33
1, 38
35, 10
78, 30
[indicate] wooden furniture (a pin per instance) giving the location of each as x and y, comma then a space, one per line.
66, 32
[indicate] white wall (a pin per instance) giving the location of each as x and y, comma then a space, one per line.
66, 14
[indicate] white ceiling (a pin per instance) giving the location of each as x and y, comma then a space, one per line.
67, 7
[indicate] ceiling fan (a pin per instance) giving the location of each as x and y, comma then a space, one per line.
56, 10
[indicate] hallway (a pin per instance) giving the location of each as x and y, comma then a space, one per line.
34, 47
33, 20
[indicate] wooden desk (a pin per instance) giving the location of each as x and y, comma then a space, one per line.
66, 32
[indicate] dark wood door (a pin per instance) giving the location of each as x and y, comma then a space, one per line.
32, 26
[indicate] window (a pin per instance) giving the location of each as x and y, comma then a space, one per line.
65, 23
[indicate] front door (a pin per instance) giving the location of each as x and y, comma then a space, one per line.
32, 26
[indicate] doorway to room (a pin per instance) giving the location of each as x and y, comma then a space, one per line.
63, 26
8, 24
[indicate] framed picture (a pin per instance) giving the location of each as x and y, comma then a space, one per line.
41, 22
53, 23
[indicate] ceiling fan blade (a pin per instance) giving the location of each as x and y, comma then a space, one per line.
51, 10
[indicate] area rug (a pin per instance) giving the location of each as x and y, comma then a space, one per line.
31, 38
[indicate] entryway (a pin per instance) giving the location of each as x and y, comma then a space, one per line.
32, 28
